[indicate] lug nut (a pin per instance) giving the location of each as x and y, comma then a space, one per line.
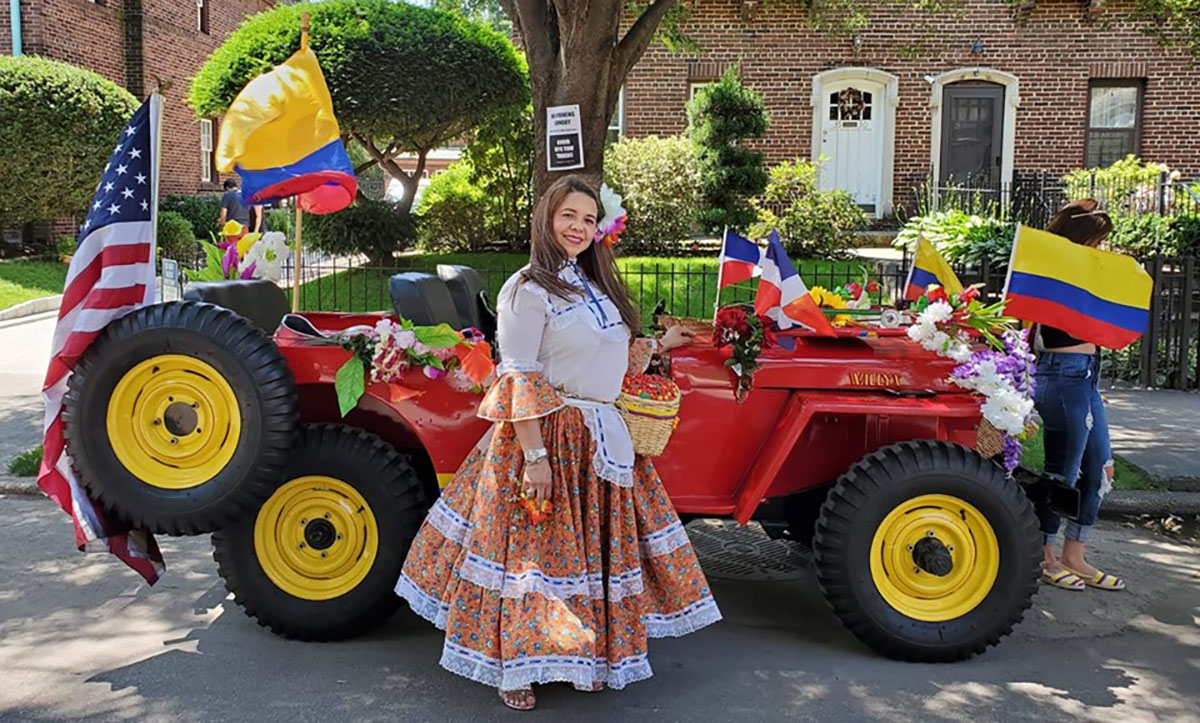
195, 405
301, 545
303, 520
339, 536
910, 548
327, 516
157, 422
929, 533
323, 555
174, 441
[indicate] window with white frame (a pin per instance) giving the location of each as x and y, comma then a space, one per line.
695, 86
616, 126
1114, 120
206, 150
202, 15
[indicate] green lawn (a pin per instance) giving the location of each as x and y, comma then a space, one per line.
23, 280
1127, 476
687, 285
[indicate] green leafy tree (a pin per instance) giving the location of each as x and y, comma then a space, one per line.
453, 211
404, 79
487, 12
57, 126
720, 116
501, 152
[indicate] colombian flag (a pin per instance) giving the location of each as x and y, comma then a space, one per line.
282, 138
1094, 295
929, 267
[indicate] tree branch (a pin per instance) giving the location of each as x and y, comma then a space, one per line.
639, 35
359, 169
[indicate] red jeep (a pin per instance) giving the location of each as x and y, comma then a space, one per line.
186, 418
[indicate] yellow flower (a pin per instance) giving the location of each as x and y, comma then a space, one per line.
245, 242
232, 228
829, 300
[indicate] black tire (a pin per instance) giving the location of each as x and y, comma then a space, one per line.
391, 489
868, 493
263, 390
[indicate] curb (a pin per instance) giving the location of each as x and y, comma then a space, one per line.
1120, 502
31, 307
20, 486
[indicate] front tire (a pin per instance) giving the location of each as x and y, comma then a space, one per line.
927, 552
320, 559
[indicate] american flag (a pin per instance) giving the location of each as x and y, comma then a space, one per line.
111, 274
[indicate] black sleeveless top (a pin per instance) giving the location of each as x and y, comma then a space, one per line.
1057, 338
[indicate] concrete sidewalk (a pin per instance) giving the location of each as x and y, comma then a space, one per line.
1158, 431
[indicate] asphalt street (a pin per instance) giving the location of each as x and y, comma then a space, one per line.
81, 638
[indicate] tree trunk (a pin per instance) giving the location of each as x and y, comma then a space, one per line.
578, 55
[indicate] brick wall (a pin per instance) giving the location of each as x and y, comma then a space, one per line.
1053, 51
96, 36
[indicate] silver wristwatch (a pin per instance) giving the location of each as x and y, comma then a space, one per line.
533, 456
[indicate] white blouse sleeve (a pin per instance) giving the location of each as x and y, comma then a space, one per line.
520, 324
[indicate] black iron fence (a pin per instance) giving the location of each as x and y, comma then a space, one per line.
1032, 197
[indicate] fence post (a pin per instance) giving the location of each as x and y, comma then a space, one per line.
1185, 324
1162, 193
1150, 339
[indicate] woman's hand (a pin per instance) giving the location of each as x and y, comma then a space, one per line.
536, 481
675, 337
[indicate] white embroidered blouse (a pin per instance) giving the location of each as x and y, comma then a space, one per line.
581, 348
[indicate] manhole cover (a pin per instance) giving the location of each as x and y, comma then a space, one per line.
729, 551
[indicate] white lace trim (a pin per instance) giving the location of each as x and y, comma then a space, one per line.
700, 614
426, 606
665, 541
448, 522
614, 459
524, 366
522, 672
493, 576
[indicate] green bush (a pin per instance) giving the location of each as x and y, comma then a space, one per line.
452, 213
501, 155
175, 237
720, 116
1186, 235
1112, 184
812, 223
58, 124
282, 220
962, 238
201, 212
1142, 235
659, 179
27, 463
376, 229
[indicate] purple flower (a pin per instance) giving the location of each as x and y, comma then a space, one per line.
248, 272
433, 372
1012, 452
229, 261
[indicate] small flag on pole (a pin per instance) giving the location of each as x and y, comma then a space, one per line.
111, 274
929, 267
1097, 296
782, 295
740, 260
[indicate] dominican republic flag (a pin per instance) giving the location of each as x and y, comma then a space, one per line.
741, 260
782, 295
111, 274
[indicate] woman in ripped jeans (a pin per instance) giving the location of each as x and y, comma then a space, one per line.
1075, 424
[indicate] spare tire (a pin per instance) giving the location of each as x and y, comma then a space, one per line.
181, 418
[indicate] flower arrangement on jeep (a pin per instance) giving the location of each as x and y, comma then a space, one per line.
748, 334
237, 254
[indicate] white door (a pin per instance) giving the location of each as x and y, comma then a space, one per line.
852, 134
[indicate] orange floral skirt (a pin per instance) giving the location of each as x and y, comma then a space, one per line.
570, 599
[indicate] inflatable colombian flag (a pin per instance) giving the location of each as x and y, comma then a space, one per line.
282, 138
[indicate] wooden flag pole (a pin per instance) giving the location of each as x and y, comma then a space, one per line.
304, 18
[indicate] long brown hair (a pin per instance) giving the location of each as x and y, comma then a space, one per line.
1081, 221
546, 257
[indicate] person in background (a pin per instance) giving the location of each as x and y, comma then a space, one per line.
232, 208
1075, 423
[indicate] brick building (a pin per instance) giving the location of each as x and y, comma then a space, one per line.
979, 96
138, 44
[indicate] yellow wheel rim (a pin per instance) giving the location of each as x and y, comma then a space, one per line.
908, 563
316, 538
173, 422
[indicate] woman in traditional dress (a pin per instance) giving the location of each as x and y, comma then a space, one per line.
573, 597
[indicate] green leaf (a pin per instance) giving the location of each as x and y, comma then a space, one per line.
350, 383
442, 336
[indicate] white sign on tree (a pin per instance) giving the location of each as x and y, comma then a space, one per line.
564, 138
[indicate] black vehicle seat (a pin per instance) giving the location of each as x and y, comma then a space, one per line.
470, 297
259, 300
423, 299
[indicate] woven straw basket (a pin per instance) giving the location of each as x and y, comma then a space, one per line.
650, 421
990, 441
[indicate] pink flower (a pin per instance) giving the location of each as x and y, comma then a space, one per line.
433, 372
248, 272
405, 339
229, 261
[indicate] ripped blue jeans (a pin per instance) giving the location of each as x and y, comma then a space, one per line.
1076, 432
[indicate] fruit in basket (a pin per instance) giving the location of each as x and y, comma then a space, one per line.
650, 386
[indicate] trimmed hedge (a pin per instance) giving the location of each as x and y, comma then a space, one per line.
58, 124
